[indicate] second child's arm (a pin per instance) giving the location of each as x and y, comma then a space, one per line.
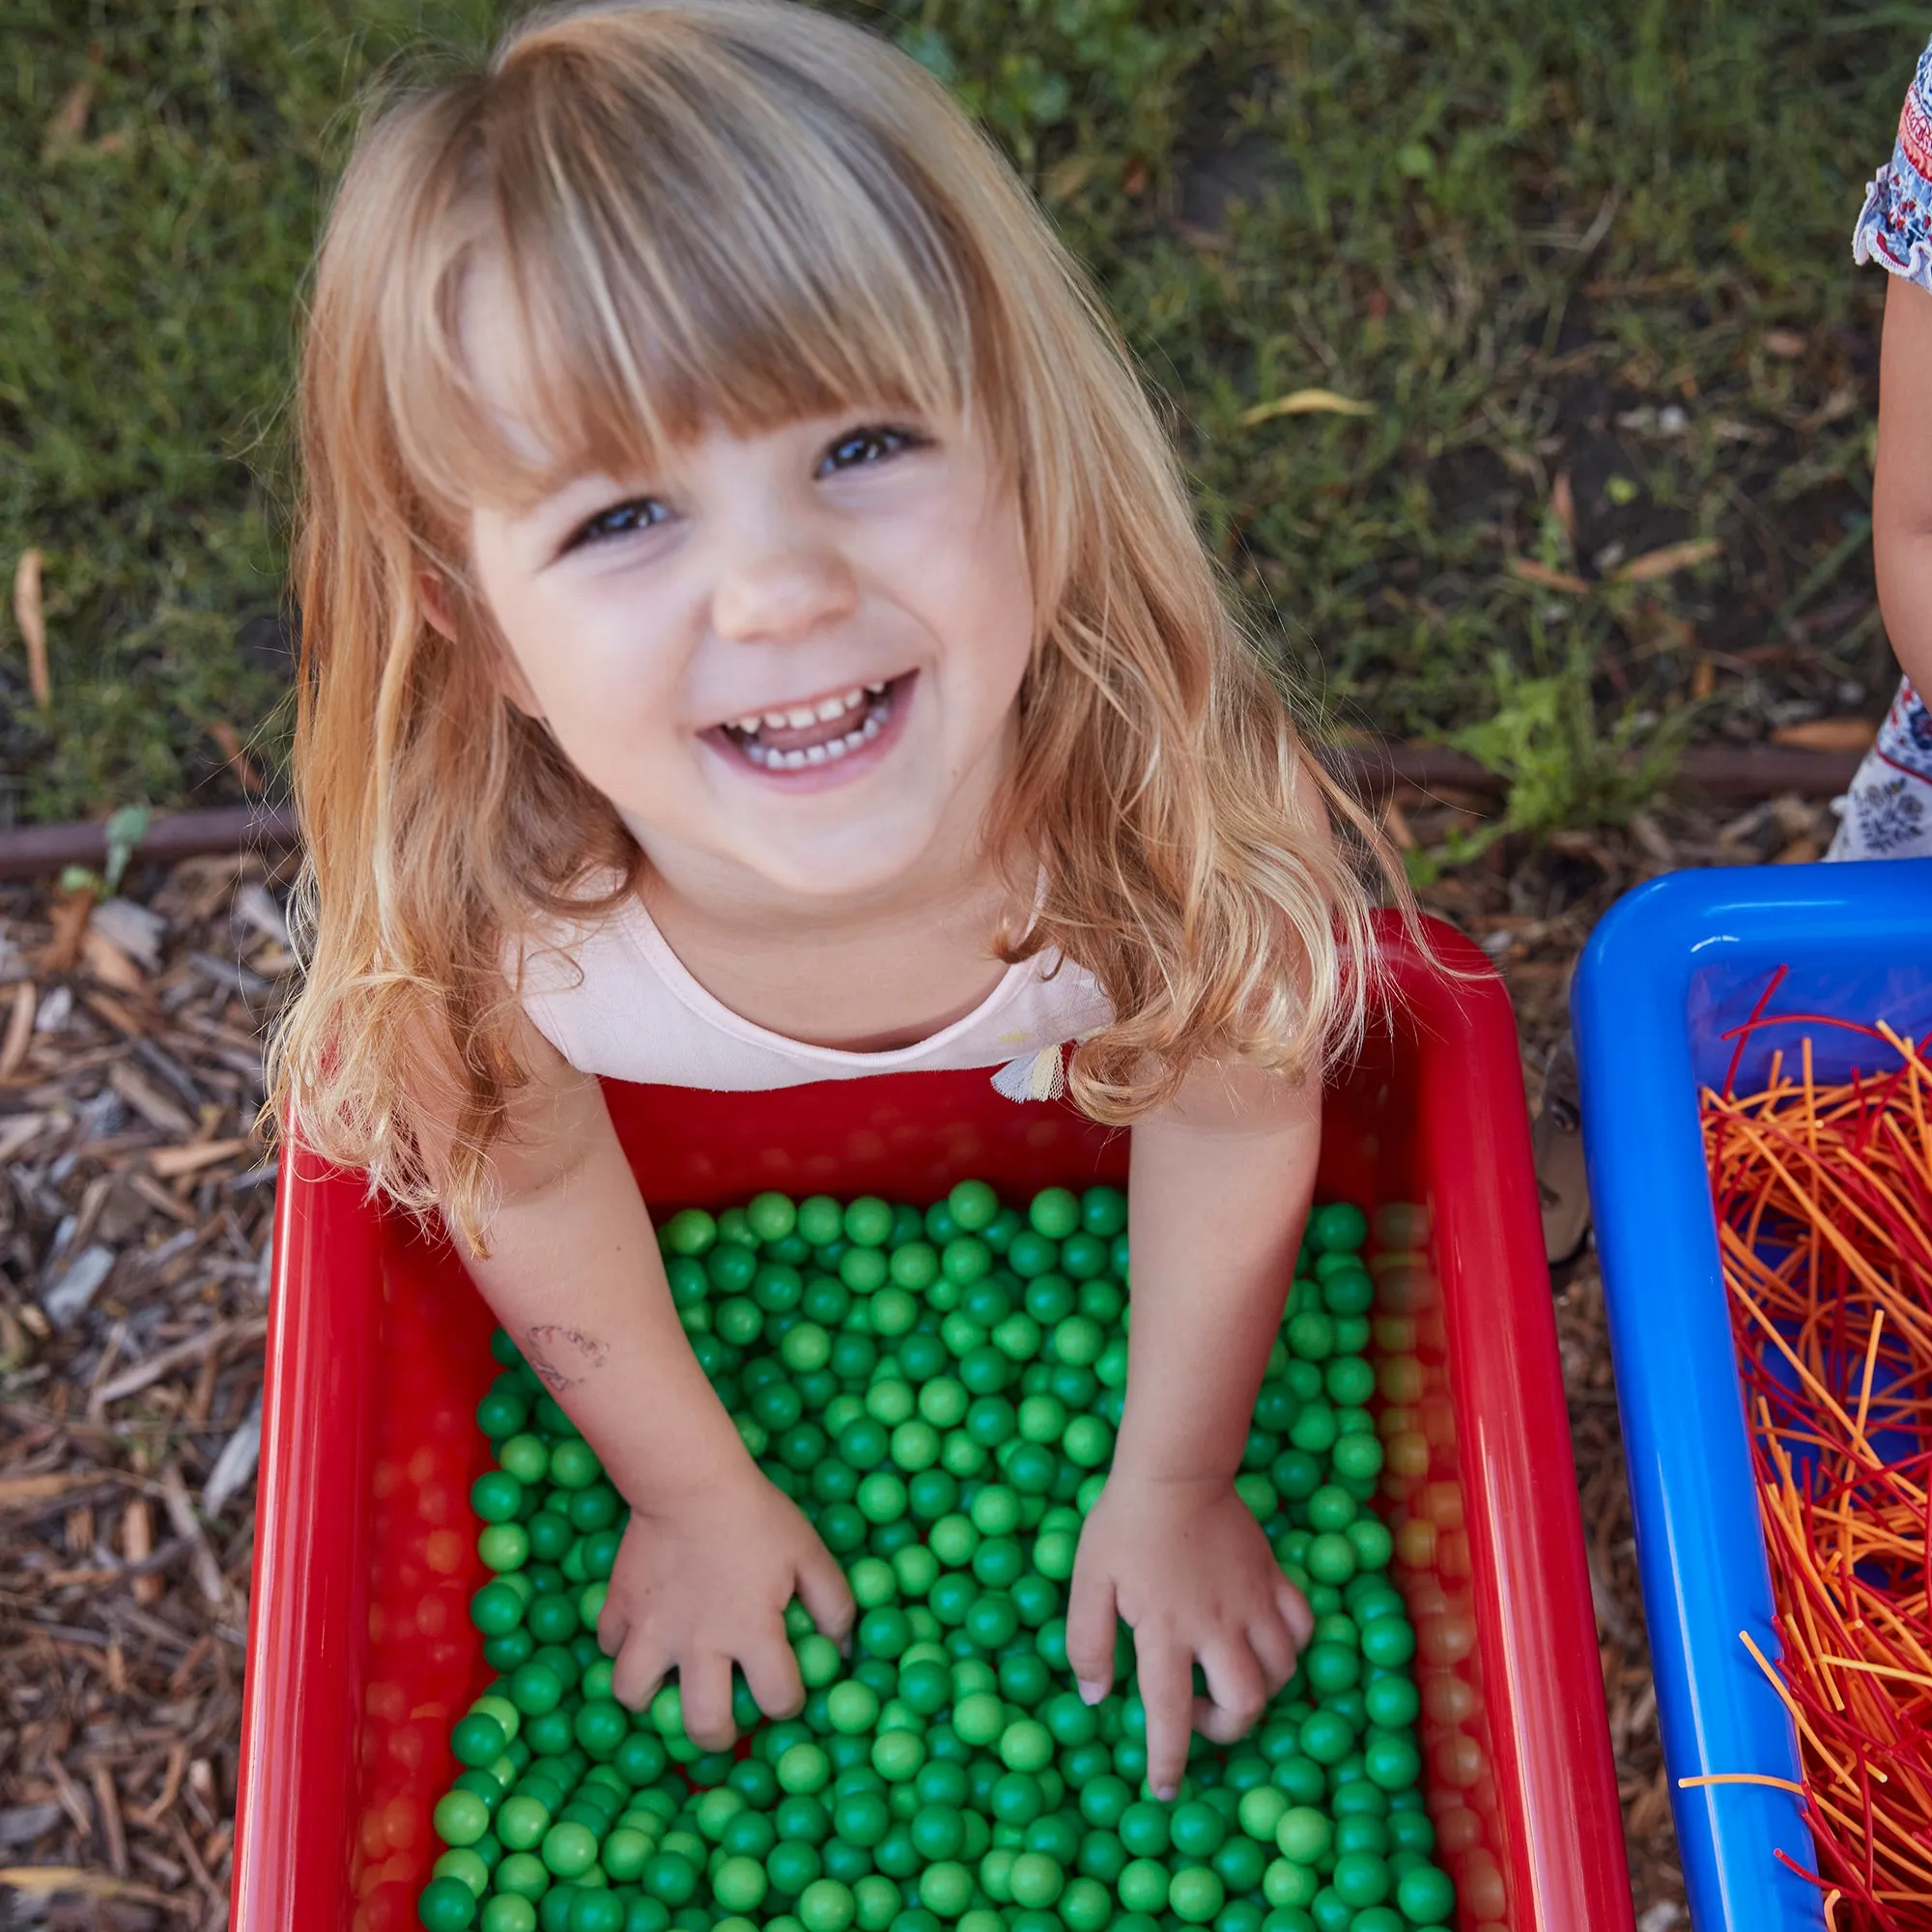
713, 1551
1220, 1186
1902, 485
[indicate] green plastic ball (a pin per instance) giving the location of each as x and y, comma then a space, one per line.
461, 1818
1195, 1894
447, 1905
508, 1912
1338, 1228
1360, 1879
1426, 1895
669, 1877
1195, 1829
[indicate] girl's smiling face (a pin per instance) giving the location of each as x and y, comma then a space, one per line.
790, 659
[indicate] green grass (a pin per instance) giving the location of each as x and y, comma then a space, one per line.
1384, 200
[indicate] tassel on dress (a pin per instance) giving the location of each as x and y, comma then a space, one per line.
1034, 1076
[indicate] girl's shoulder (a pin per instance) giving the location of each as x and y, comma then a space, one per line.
1894, 227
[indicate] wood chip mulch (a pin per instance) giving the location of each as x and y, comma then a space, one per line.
134, 1219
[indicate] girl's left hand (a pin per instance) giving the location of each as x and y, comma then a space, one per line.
1184, 1564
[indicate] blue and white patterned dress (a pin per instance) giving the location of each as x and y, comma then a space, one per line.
1887, 812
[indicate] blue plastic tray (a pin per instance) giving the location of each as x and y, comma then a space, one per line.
1672, 967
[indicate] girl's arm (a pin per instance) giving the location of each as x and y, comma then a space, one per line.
1220, 1187
713, 1551
1902, 483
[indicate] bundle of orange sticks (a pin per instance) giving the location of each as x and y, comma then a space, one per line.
1824, 1202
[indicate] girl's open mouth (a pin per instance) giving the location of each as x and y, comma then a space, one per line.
814, 737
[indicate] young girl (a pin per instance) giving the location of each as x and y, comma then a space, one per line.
754, 633
1888, 813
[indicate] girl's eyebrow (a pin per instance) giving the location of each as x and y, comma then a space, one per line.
577, 495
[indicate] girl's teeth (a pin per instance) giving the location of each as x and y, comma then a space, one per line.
764, 755
802, 715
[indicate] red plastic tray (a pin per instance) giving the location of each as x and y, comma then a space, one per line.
360, 1653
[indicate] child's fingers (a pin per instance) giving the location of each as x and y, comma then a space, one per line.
638, 1672
823, 1590
1092, 1616
1165, 1670
1236, 1689
1274, 1647
1294, 1610
770, 1674
613, 1625
705, 1681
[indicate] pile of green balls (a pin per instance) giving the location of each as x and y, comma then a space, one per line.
939, 1393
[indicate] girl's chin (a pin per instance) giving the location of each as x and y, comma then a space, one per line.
829, 876
874, 852
806, 849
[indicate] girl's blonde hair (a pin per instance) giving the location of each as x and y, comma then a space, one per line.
746, 212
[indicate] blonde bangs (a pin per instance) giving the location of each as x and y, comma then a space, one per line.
693, 232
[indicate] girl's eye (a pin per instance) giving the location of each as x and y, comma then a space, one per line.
869, 444
641, 513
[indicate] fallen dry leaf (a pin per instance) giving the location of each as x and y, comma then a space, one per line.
1669, 561
1065, 178
15, 1492
19, 1030
170, 1163
68, 916
1829, 734
108, 963
1840, 403
1305, 403
30, 613
46, 1879
202, 1560
1541, 574
158, 1109
69, 121
1395, 823
196, 1348
137, 1544
1787, 344
239, 762
1563, 501
107, 1808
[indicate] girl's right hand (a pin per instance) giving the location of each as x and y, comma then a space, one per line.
700, 1583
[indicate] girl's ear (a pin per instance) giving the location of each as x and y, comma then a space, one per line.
434, 592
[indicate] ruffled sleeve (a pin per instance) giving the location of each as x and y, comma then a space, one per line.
1895, 225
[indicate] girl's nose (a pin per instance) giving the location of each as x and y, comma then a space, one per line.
782, 591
